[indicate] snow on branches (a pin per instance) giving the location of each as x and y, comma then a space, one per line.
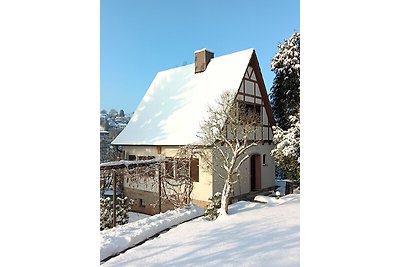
106, 212
287, 151
285, 89
287, 60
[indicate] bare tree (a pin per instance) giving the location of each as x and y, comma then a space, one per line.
227, 130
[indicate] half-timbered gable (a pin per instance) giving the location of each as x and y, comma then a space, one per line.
252, 96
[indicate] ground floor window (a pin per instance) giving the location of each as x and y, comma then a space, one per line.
178, 167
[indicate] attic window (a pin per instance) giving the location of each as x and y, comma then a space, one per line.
250, 108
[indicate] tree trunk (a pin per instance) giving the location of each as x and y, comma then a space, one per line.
226, 193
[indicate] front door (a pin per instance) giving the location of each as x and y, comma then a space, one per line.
255, 172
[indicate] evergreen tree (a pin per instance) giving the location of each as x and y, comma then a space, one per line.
122, 113
211, 212
106, 212
285, 90
287, 150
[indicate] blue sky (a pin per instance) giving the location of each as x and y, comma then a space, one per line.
140, 38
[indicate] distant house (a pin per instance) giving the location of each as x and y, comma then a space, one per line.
103, 134
104, 144
175, 104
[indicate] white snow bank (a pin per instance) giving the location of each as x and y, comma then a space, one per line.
263, 199
113, 241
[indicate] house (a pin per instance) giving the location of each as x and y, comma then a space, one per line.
175, 104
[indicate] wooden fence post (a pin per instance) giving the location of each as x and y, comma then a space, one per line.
159, 188
114, 197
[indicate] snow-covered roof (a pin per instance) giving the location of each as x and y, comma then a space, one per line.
176, 102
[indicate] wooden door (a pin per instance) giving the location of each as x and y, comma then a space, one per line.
255, 172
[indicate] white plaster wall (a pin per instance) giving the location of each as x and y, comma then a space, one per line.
249, 87
258, 93
242, 187
267, 170
202, 189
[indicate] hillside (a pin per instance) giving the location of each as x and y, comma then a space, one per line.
254, 234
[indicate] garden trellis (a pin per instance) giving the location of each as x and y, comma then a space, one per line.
170, 176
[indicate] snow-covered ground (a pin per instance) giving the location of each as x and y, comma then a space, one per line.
254, 234
115, 240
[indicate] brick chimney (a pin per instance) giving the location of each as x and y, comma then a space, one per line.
201, 59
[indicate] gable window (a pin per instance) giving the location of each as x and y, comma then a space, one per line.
246, 109
254, 109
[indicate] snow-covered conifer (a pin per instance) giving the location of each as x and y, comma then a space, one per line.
106, 213
285, 90
287, 151
211, 212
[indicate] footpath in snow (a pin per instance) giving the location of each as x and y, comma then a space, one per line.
253, 234
120, 238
